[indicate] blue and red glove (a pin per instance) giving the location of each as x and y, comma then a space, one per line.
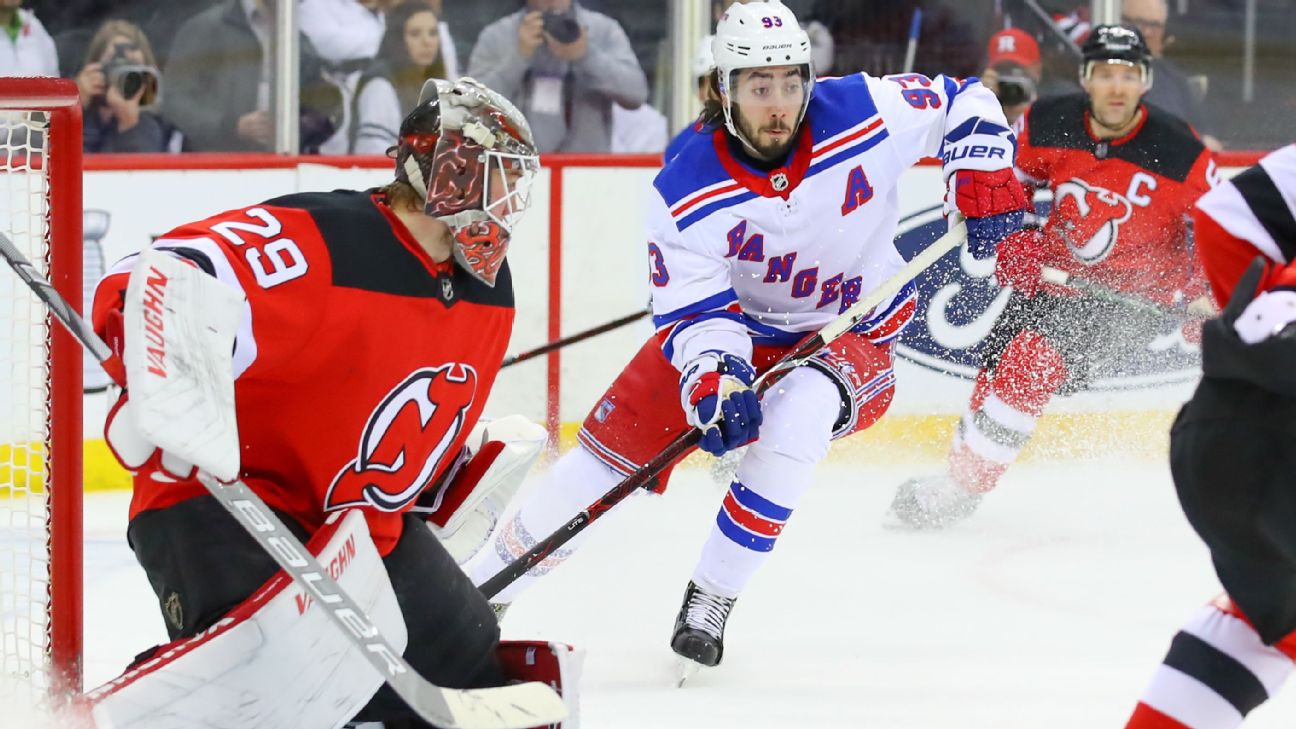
993, 203
715, 391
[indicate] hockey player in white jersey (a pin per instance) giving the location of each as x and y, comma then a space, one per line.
761, 231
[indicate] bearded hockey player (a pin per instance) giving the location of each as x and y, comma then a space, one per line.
1124, 176
373, 327
1231, 454
763, 229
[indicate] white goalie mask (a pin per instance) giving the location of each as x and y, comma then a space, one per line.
759, 35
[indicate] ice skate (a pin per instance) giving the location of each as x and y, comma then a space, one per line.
931, 502
699, 630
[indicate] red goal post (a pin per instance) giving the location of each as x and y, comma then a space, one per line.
40, 393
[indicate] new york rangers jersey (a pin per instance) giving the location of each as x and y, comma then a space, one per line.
739, 255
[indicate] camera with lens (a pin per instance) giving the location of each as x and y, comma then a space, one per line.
1015, 87
562, 26
130, 77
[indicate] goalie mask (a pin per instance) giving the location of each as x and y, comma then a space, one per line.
470, 155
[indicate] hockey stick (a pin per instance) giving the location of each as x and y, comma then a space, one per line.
507, 707
577, 337
803, 351
1048, 274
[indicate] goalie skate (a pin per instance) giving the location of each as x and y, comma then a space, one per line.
699, 630
931, 502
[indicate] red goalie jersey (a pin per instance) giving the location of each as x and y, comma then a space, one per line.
360, 363
1121, 206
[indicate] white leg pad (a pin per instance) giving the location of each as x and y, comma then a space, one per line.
274, 661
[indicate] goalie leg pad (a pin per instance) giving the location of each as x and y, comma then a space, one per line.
275, 660
557, 665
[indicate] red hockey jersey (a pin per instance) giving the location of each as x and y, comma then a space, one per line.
360, 363
1252, 214
1121, 207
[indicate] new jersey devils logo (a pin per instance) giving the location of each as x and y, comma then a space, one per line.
407, 438
1089, 218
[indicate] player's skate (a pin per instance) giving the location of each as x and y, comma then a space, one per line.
699, 630
931, 502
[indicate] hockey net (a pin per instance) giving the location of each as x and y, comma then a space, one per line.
40, 395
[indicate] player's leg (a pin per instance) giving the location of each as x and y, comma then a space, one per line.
200, 562
632, 422
453, 635
1232, 460
843, 391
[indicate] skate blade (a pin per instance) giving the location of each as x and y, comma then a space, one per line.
684, 670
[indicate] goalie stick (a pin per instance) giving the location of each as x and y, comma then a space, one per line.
574, 338
507, 707
803, 351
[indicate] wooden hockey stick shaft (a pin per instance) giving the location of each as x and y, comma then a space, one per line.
508, 707
574, 338
803, 351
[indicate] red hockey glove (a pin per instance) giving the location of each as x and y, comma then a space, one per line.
136, 453
1021, 261
992, 202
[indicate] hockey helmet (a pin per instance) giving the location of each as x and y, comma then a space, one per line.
755, 35
1116, 44
469, 153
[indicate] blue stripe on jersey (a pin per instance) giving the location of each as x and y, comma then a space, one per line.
706, 210
759, 504
741, 536
668, 347
908, 291
778, 338
847, 152
695, 167
715, 301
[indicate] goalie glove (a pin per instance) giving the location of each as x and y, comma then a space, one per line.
136, 452
716, 394
463, 507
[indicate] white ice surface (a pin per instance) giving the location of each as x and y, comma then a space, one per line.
1049, 608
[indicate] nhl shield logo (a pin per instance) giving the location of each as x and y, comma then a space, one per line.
447, 289
779, 181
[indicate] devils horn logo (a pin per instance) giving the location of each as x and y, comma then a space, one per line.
1089, 218
407, 439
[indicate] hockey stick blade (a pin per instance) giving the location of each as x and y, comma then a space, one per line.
507, 707
803, 351
1057, 276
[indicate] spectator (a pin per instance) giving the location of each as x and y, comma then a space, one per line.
1171, 89
27, 50
118, 84
564, 66
1013, 71
872, 37
409, 55
344, 32
218, 81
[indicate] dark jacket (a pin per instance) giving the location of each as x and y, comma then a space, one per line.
151, 134
212, 75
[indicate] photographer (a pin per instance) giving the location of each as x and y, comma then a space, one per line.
118, 84
564, 66
1013, 72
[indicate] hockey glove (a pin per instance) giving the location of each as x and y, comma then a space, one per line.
1020, 261
715, 391
993, 203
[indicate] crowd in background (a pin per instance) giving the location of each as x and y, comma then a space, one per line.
591, 75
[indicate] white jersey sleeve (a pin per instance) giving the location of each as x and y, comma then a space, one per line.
695, 307
959, 121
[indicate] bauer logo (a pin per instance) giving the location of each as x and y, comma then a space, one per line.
959, 301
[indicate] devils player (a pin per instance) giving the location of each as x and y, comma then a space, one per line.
763, 228
1124, 175
374, 326
1231, 456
